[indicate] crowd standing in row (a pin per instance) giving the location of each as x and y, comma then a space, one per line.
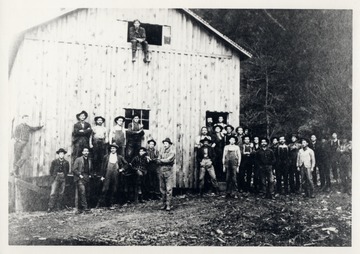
247, 164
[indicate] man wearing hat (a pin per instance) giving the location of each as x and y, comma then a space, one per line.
59, 169
22, 136
266, 159
117, 135
294, 175
305, 164
138, 35
218, 149
113, 164
98, 141
206, 157
152, 180
229, 133
139, 167
166, 161
81, 134
135, 132
83, 171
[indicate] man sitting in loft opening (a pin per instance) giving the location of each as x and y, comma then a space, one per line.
138, 35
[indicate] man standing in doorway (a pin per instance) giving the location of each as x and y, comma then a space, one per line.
166, 161
138, 35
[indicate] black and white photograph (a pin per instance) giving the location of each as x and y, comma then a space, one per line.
163, 126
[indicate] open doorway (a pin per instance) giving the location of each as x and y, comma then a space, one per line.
215, 116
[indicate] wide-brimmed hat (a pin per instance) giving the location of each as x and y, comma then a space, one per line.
205, 139
118, 117
215, 126
82, 112
167, 140
232, 127
151, 140
113, 145
98, 117
61, 150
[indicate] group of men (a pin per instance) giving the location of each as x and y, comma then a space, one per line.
253, 164
247, 164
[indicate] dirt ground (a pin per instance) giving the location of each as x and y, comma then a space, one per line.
209, 221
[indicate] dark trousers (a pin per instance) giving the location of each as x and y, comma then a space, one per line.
294, 178
18, 154
152, 180
166, 184
306, 181
245, 174
99, 151
218, 166
282, 176
314, 176
140, 187
57, 191
82, 193
144, 44
267, 180
335, 166
110, 186
345, 173
132, 148
257, 178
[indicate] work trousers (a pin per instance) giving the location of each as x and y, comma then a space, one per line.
57, 191
294, 177
110, 185
257, 178
306, 181
144, 44
83, 192
139, 183
282, 176
19, 154
335, 166
245, 174
206, 166
152, 179
132, 148
231, 164
345, 173
267, 180
166, 184
99, 151
324, 173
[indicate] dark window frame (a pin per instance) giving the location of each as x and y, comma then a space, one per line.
144, 115
154, 33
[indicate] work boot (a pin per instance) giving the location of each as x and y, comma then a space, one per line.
167, 208
163, 207
141, 198
49, 210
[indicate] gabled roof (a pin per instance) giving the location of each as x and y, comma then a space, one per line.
243, 53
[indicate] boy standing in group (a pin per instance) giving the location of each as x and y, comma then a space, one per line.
81, 135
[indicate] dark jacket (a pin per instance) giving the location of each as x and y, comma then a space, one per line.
57, 167
79, 168
282, 154
120, 160
201, 152
77, 134
139, 34
139, 163
265, 157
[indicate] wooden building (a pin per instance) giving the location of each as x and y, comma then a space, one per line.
82, 61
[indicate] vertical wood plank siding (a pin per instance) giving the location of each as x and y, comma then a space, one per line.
82, 61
